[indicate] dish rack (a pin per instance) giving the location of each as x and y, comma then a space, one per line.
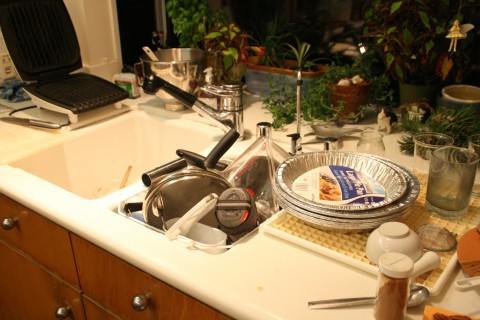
349, 248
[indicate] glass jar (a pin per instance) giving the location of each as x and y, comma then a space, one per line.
393, 286
371, 142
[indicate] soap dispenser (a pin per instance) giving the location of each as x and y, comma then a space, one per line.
255, 170
208, 97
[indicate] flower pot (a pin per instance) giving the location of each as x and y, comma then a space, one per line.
258, 77
352, 97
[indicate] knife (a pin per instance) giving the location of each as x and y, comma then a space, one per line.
31, 122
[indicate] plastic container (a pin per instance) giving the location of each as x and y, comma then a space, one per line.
127, 81
393, 286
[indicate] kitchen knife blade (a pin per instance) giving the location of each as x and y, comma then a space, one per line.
31, 122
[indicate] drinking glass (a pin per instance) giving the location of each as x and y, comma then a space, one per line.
450, 181
474, 146
371, 142
425, 144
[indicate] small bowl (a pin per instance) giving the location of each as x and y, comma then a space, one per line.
393, 237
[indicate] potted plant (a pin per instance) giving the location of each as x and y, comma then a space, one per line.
325, 101
411, 37
190, 20
229, 42
278, 62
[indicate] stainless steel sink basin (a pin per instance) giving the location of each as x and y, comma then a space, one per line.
93, 163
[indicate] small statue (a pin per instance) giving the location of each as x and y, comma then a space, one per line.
457, 32
386, 120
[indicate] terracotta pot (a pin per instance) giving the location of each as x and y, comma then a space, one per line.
352, 96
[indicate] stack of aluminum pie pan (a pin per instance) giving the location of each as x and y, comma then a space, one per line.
401, 191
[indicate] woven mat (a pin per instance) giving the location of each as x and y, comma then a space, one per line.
353, 245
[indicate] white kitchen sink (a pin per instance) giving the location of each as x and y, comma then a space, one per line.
93, 163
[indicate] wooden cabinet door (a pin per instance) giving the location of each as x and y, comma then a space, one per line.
45, 241
113, 283
93, 311
29, 291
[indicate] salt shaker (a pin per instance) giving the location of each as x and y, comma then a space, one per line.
371, 142
393, 286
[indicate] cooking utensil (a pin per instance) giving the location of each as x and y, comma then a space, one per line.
176, 193
32, 123
149, 177
468, 284
150, 53
209, 162
180, 67
331, 130
418, 295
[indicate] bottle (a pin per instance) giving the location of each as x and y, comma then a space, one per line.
255, 170
371, 142
127, 82
206, 97
393, 286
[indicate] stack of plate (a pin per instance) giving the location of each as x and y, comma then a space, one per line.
400, 185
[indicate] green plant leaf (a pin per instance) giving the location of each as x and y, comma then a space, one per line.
391, 30
424, 18
390, 58
407, 37
213, 35
395, 6
429, 46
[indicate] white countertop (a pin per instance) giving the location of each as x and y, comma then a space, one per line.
263, 277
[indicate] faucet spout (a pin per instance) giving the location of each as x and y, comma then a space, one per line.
230, 115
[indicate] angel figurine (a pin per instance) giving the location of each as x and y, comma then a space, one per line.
457, 32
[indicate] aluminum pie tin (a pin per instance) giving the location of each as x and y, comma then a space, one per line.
383, 172
356, 221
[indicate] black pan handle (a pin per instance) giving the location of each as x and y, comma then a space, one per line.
211, 161
221, 148
152, 84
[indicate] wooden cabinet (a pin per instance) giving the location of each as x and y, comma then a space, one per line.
43, 240
29, 291
114, 284
37, 271
93, 311
45, 269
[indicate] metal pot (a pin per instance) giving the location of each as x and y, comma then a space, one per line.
182, 67
174, 194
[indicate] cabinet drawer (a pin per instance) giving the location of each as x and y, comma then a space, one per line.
38, 237
114, 283
29, 291
93, 311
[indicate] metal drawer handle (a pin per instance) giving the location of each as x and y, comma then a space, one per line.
63, 312
140, 302
9, 223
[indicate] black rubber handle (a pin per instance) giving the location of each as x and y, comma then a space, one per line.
192, 158
211, 161
152, 175
153, 83
221, 148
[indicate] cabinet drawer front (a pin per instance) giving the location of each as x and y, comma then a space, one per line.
93, 311
29, 291
113, 283
45, 241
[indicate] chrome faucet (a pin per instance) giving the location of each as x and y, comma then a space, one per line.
230, 115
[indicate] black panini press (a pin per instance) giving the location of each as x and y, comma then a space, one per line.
41, 40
